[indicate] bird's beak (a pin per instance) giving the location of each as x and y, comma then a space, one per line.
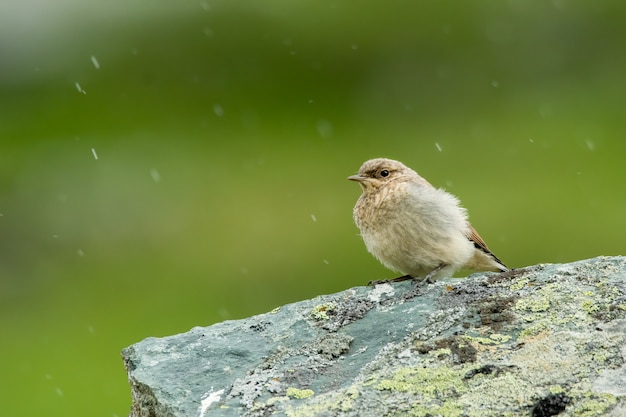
357, 178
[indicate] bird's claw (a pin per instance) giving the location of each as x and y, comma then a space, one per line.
375, 282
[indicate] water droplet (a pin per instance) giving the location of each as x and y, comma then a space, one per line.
95, 62
156, 177
546, 110
79, 88
324, 128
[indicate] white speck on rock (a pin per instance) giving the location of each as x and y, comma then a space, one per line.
209, 398
379, 290
406, 353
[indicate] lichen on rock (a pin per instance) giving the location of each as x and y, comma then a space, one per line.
539, 341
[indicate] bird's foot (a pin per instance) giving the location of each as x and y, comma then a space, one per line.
429, 279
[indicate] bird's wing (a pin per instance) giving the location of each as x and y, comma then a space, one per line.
479, 243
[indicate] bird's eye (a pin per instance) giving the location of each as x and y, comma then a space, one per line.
384, 173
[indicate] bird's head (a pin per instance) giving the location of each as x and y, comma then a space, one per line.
376, 173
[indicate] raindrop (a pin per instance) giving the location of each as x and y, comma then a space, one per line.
438, 146
155, 175
325, 261
95, 155
313, 217
218, 110
79, 88
545, 111
59, 392
495, 83
324, 128
590, 144
80, 252
95, 62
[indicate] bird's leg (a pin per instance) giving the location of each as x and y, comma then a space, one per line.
385, 281
429, 278
402, 278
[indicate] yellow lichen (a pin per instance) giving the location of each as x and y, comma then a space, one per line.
299, 393
320, 311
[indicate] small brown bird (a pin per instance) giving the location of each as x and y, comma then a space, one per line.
414, 228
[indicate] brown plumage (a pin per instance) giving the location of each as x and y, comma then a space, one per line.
414, 228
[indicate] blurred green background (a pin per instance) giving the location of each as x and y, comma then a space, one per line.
170, 164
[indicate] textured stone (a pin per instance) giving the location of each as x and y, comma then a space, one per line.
539, 341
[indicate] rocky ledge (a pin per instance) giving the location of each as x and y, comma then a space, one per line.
544, 340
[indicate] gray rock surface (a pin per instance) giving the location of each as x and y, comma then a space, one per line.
539, 341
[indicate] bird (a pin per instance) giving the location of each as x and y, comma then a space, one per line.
416, 229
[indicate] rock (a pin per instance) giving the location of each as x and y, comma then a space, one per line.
539, 341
